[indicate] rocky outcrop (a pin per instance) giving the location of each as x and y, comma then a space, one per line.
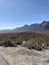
23, 56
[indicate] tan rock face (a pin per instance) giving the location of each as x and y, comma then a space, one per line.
23, 56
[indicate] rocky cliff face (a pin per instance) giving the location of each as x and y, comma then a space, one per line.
44, 25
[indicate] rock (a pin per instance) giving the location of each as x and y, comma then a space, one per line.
3, 61
23, 56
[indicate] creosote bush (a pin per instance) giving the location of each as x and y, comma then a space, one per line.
8, 43
32, 45
18, 43
37, 47
27, 45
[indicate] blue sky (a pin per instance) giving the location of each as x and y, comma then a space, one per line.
16, 13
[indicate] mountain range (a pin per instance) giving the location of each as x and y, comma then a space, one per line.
27, 28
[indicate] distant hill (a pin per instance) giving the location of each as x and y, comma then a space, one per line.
33, 27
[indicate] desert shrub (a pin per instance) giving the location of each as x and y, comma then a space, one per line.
45, 45
18, 42
27, 44
8, 43
32, 45
1, 43
39, 40
37, 47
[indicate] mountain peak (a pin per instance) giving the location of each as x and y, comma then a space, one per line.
26, 25
45, 22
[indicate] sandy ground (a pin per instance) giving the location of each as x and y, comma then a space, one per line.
23, 56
